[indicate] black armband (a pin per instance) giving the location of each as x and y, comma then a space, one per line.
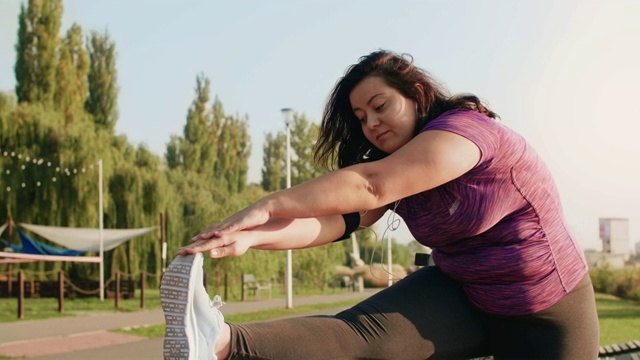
351, 224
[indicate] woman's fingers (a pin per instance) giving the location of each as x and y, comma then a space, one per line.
235, 244
197, 246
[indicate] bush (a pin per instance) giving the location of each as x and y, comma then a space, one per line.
623, 283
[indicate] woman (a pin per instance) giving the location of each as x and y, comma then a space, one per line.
509, 281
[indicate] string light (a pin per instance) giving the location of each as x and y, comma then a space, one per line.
35, 161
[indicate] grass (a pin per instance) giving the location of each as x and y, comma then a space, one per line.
619, 319
45, 308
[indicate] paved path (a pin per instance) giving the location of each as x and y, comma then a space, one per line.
88, 336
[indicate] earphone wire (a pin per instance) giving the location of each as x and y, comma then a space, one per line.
393, 223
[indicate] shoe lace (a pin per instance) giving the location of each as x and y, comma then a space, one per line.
216, 302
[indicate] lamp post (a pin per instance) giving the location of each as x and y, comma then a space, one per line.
287, 113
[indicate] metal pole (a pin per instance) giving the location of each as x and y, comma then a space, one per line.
101, 229
287, 113
163, 240
60, 291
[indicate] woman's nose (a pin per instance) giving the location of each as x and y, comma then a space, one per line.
372, 122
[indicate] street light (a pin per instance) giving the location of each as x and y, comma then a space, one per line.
288, 113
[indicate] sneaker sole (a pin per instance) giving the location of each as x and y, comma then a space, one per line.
176, 297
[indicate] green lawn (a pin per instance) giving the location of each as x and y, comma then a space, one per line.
619, 319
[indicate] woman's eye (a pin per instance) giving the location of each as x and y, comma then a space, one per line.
380, 107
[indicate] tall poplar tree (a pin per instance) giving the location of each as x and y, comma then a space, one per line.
73, 69
102, 102
234, 150
196, 148
273, 160
36, 50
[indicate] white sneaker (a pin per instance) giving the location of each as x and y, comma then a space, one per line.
193, 322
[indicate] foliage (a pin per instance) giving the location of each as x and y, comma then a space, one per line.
303, 135
35, 69
103, 89
624, 283
73, 68
273, 170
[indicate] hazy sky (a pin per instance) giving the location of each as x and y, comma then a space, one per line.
564, 74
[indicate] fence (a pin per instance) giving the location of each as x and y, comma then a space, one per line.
27, 287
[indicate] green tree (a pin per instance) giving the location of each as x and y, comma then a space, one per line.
273, 160
36, 50
234, 150
214, 145
102, 101
73, 69
303, 167
7, 103
196, 150
304, 135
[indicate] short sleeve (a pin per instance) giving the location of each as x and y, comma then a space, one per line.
474, 126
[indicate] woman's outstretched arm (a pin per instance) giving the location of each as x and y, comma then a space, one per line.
431, 159
279, 234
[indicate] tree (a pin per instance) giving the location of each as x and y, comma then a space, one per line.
273, 160
195, 149
303, 167
214, 145
234, 150
36, 48
73, 69
173, 155
103, 88
304, 135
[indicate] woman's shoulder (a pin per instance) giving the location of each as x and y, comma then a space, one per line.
459, 116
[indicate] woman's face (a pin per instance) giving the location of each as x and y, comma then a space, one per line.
388, 119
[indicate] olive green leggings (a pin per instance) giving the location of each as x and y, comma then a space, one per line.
427, 315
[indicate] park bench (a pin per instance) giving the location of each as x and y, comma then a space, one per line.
253, 286
622, 351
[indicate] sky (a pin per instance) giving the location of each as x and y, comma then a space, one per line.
564, 74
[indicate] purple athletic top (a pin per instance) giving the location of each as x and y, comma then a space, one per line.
499, 229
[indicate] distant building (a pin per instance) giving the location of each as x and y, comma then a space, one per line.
614, 234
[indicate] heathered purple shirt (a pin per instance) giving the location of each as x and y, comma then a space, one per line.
499, 229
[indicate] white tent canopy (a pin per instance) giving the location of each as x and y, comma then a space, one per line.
85, 239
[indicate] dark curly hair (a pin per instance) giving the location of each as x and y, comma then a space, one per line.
341, 140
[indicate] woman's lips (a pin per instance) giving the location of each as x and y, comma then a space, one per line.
382, 134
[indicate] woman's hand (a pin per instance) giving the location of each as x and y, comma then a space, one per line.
233, 244
247, 218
